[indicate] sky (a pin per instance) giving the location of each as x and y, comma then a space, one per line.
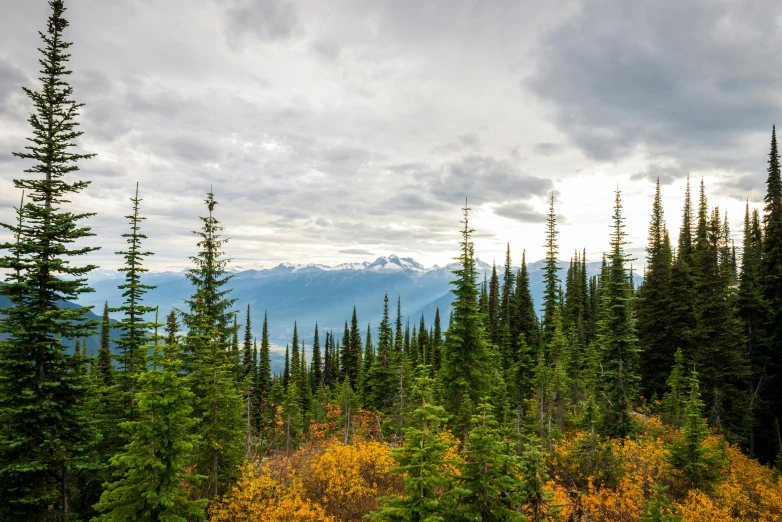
342, 130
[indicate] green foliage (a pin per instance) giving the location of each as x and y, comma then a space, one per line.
654, 304
490, 480
135, 328
150, 472
551, 279
699, 465
423, 459
45, 434
463, 373
616, 336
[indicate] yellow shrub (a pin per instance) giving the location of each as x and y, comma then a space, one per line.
347, 479
261, 498
698, 507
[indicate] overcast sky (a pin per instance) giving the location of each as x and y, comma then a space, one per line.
341, 130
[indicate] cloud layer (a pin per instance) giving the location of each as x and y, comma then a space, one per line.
335, 130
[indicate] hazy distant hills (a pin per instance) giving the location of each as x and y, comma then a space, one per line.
326, 294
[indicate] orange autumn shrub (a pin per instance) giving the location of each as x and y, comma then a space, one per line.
699, 507
748, 490
347, 479
260, 497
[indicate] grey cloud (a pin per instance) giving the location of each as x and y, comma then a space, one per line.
547, 148
468, 140
666, 172
356, 252
743, 187
485, 179
266, 20
520, 211
11, 81
681, 79
327, 49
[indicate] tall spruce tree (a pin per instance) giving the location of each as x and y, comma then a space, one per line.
44, 433
616, 335
218, 400
769, 441
105, 366
248, 370
753, 311
527, 319
264, 361
493, 325
134, 326
654, 304
551, 279
464, 374
317, 362
383, 373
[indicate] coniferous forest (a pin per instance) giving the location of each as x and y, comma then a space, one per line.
657, 403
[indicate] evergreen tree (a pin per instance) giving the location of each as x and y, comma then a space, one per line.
490, 475
771, 354
366, 362
328, 364
132, 357
437, 342
44, 433
682, 300
150, 472
463, 373
527, 319
398, 332
317, 362
264, 361
382, 375
507, 307
720, 354
674, 399
218, 401
551, 279
104, 364
248, 370
356, 349
653, 305
292, 416
422, 459
493, 325
616, 336
699, 465
286, 372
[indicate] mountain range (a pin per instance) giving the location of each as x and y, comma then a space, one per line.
319, 293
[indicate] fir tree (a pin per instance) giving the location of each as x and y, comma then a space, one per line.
550, 274
771, 278
753, 312
422, 459
674, 399
134, 327
317, 362
527, 319
616, 336
151, 473
44, 433
356, 349
382, 375
398, 332
653, 307
698, 464
264, 361
248, 370
104, 364
437, 342
218, 401
493, 325
464, 375
491, 474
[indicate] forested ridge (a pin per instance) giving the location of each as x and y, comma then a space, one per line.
656, 403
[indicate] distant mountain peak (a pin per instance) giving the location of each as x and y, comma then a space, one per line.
394, 262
